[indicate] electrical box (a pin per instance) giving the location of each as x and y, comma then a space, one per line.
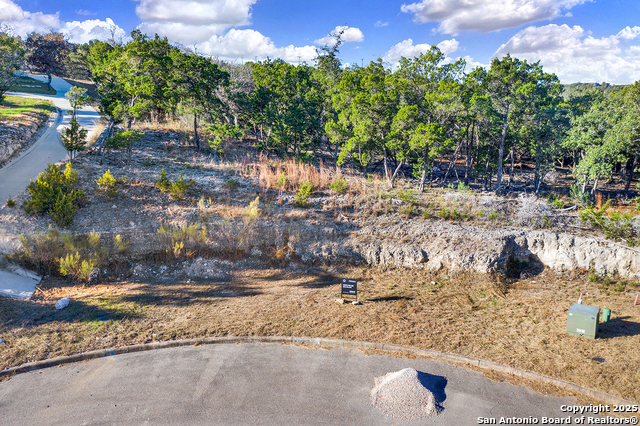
583, 320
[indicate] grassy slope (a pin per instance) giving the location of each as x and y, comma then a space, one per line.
14, 106
31, 85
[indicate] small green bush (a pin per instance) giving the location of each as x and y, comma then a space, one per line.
10, 202
54, 192
302, 197
338, 185
283, 181
107, 184
163, 183
179, 188
464, 189
407, 196
231, 184
80, 269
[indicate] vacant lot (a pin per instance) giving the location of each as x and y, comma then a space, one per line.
228, 287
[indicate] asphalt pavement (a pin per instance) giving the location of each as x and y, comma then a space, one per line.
253, 384
15, 176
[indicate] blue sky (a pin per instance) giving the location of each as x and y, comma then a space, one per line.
579, 40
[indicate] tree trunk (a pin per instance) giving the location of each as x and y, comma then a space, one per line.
386, 168
630, 177
511, 169
195, 133
48, 80
424, 169
501, 150
453, 160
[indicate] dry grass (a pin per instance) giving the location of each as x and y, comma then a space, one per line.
518, 323
289, 175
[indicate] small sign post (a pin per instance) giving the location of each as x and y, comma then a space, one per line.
350, 287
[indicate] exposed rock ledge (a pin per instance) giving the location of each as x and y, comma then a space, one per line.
435, 245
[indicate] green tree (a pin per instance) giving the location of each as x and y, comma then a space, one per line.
11, 59
74, 138
77, 99
193, 83
287, 101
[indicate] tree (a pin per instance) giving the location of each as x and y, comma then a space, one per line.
508, 82
46, 53
193, 84
77, 99
11, 58
73, 138
287, 100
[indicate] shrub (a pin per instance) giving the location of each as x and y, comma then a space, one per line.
107, 184
283, 181
54, 192
616, 226
578, 195
55, 253
79, 269
231, 184
163, 183
407, 196
10, 202
183, 240
120, 245
338, 185
302, 197
464, 189
180, 186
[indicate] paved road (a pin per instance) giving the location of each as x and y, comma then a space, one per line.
250, 384
15, 176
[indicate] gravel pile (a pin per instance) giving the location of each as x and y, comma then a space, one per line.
400, 395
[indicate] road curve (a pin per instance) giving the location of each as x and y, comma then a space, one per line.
254, 384
15, 176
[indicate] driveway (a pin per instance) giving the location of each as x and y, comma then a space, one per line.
15, 176
253, 384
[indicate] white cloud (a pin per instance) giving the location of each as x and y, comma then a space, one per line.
448, 46
84, 31
380, 24
23, 22
485, 15
349, 34
407, 49
575, 56
192, 21
85, 12
249, 44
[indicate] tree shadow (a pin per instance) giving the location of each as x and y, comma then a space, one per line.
20, 313
436, 385
618, 327
184, 294
389, 298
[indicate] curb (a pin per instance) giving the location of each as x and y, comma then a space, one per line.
52, 123
331, 343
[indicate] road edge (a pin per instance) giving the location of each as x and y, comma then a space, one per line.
322, 342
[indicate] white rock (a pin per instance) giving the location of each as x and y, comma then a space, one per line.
62, 303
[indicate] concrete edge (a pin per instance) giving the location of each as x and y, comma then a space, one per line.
315, 341
52, 123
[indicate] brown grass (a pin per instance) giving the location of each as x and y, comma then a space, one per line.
296, 173
517, 323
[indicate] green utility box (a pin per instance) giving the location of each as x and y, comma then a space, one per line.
583, 320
